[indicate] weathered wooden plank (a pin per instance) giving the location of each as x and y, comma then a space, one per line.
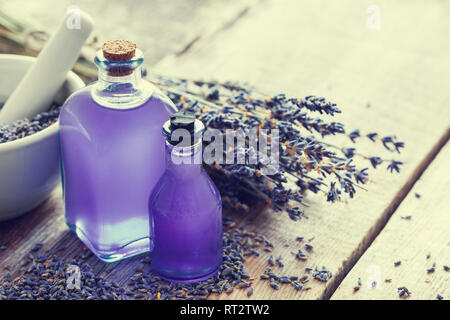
43, 225
417, 242
390, 80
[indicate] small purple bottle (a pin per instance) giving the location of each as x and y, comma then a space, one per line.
185, 208
112, 154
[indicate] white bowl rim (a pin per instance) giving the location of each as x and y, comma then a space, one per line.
52, 129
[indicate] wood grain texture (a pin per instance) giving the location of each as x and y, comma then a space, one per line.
390, 80
402, 71
418, 243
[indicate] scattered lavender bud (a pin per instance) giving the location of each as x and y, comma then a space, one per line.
279, 262
274, 286
298, 286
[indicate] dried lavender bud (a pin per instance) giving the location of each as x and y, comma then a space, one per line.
375, 161
304, 278
284, 280
279, 262
333, 193
394, 165
349, 152
44, 277
398, 145
268, 243
274, 286
301, 255
322, 275
356, 288
354, 134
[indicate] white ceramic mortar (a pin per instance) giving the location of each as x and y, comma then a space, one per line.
29, 167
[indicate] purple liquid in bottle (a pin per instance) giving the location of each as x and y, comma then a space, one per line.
185, 218
112, 156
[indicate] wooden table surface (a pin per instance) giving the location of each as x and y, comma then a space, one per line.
393, 80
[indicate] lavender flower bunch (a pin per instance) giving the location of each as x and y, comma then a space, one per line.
307, 162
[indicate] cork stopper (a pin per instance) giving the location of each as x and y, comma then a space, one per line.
119, 50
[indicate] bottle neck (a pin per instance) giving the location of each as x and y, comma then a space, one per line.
184, 163
120, 85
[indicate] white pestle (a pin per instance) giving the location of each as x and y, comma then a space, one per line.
37, 89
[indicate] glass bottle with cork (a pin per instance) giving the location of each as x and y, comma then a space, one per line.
112, 153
